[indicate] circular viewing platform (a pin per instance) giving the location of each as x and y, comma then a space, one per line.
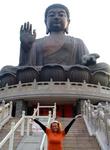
55, 90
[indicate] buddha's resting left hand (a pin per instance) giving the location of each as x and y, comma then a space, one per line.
90, 59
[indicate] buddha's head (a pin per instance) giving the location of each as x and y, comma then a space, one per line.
57, 18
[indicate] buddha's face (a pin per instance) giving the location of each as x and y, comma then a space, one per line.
57, 20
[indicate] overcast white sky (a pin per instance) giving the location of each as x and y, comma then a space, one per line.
90, 21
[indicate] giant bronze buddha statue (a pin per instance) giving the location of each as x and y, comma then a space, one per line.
57, 55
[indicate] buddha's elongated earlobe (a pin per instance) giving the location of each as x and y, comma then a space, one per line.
66, 30
47, 30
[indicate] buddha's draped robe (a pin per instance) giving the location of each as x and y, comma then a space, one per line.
68, 52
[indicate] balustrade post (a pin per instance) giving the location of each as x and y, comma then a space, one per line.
99, 86
19, 85
7, 110
3, 109
38, 109
10, 111
3, 103
34, 114
84, 84
11, 140
89, 109
0, 117
99, 108
81, 106
107, 109
106, 117
28, 127
92, 119
6, 87
54, 111
51, 82
68, 83
34, 83
84, 108
50, 114
23, 123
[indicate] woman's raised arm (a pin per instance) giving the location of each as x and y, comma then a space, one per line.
70, 124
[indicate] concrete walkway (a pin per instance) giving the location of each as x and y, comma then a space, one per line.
31, 142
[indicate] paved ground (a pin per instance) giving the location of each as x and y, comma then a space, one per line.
30, 142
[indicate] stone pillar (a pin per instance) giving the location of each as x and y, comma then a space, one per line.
20, 106
80, 107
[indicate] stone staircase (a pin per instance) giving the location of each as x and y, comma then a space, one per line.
33, 141
5, 129
78, 137
30, 142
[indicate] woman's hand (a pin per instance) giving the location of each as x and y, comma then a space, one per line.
78, 116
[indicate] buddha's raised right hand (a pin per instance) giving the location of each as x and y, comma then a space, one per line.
27, 35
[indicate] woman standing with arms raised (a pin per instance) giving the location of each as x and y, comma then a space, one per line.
55, 134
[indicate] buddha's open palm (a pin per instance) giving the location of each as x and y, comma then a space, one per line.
27, 35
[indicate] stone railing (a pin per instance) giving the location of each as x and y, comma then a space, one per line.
25, 126
5, 112
55, 89
97, 119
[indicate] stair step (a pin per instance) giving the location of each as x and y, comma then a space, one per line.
30, 142
4, 131
78, 137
